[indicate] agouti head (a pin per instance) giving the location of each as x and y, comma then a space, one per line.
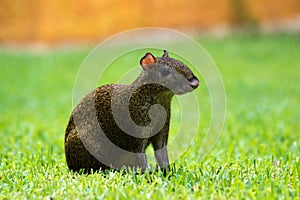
169, 73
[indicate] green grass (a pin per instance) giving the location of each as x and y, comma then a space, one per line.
257, 156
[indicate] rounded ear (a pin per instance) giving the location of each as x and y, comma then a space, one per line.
166, 54
147, 60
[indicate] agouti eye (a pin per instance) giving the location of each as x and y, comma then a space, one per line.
165, 72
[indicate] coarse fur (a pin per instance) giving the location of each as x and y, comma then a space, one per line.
97, 138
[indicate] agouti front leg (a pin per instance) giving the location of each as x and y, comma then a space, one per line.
159, 143
142, 162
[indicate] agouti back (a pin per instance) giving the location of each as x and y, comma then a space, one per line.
112, 126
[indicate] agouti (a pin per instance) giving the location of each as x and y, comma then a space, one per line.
112, 126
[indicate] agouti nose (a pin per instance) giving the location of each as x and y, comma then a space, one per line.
194, 82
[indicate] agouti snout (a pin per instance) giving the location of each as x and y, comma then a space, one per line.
112, 126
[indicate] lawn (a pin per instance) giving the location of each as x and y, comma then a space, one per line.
257, 155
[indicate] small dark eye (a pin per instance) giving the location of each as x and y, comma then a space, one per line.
165, 72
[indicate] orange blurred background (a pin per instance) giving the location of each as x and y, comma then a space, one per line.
51, 22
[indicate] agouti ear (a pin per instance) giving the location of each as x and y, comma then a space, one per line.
147, 60
166, 54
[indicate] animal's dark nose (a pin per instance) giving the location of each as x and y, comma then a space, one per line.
194, 82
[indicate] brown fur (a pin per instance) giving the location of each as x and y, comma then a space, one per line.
82, 130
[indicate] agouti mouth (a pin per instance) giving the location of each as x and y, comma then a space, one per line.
193, 82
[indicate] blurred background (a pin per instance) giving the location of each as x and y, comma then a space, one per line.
56, 22
254, 43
